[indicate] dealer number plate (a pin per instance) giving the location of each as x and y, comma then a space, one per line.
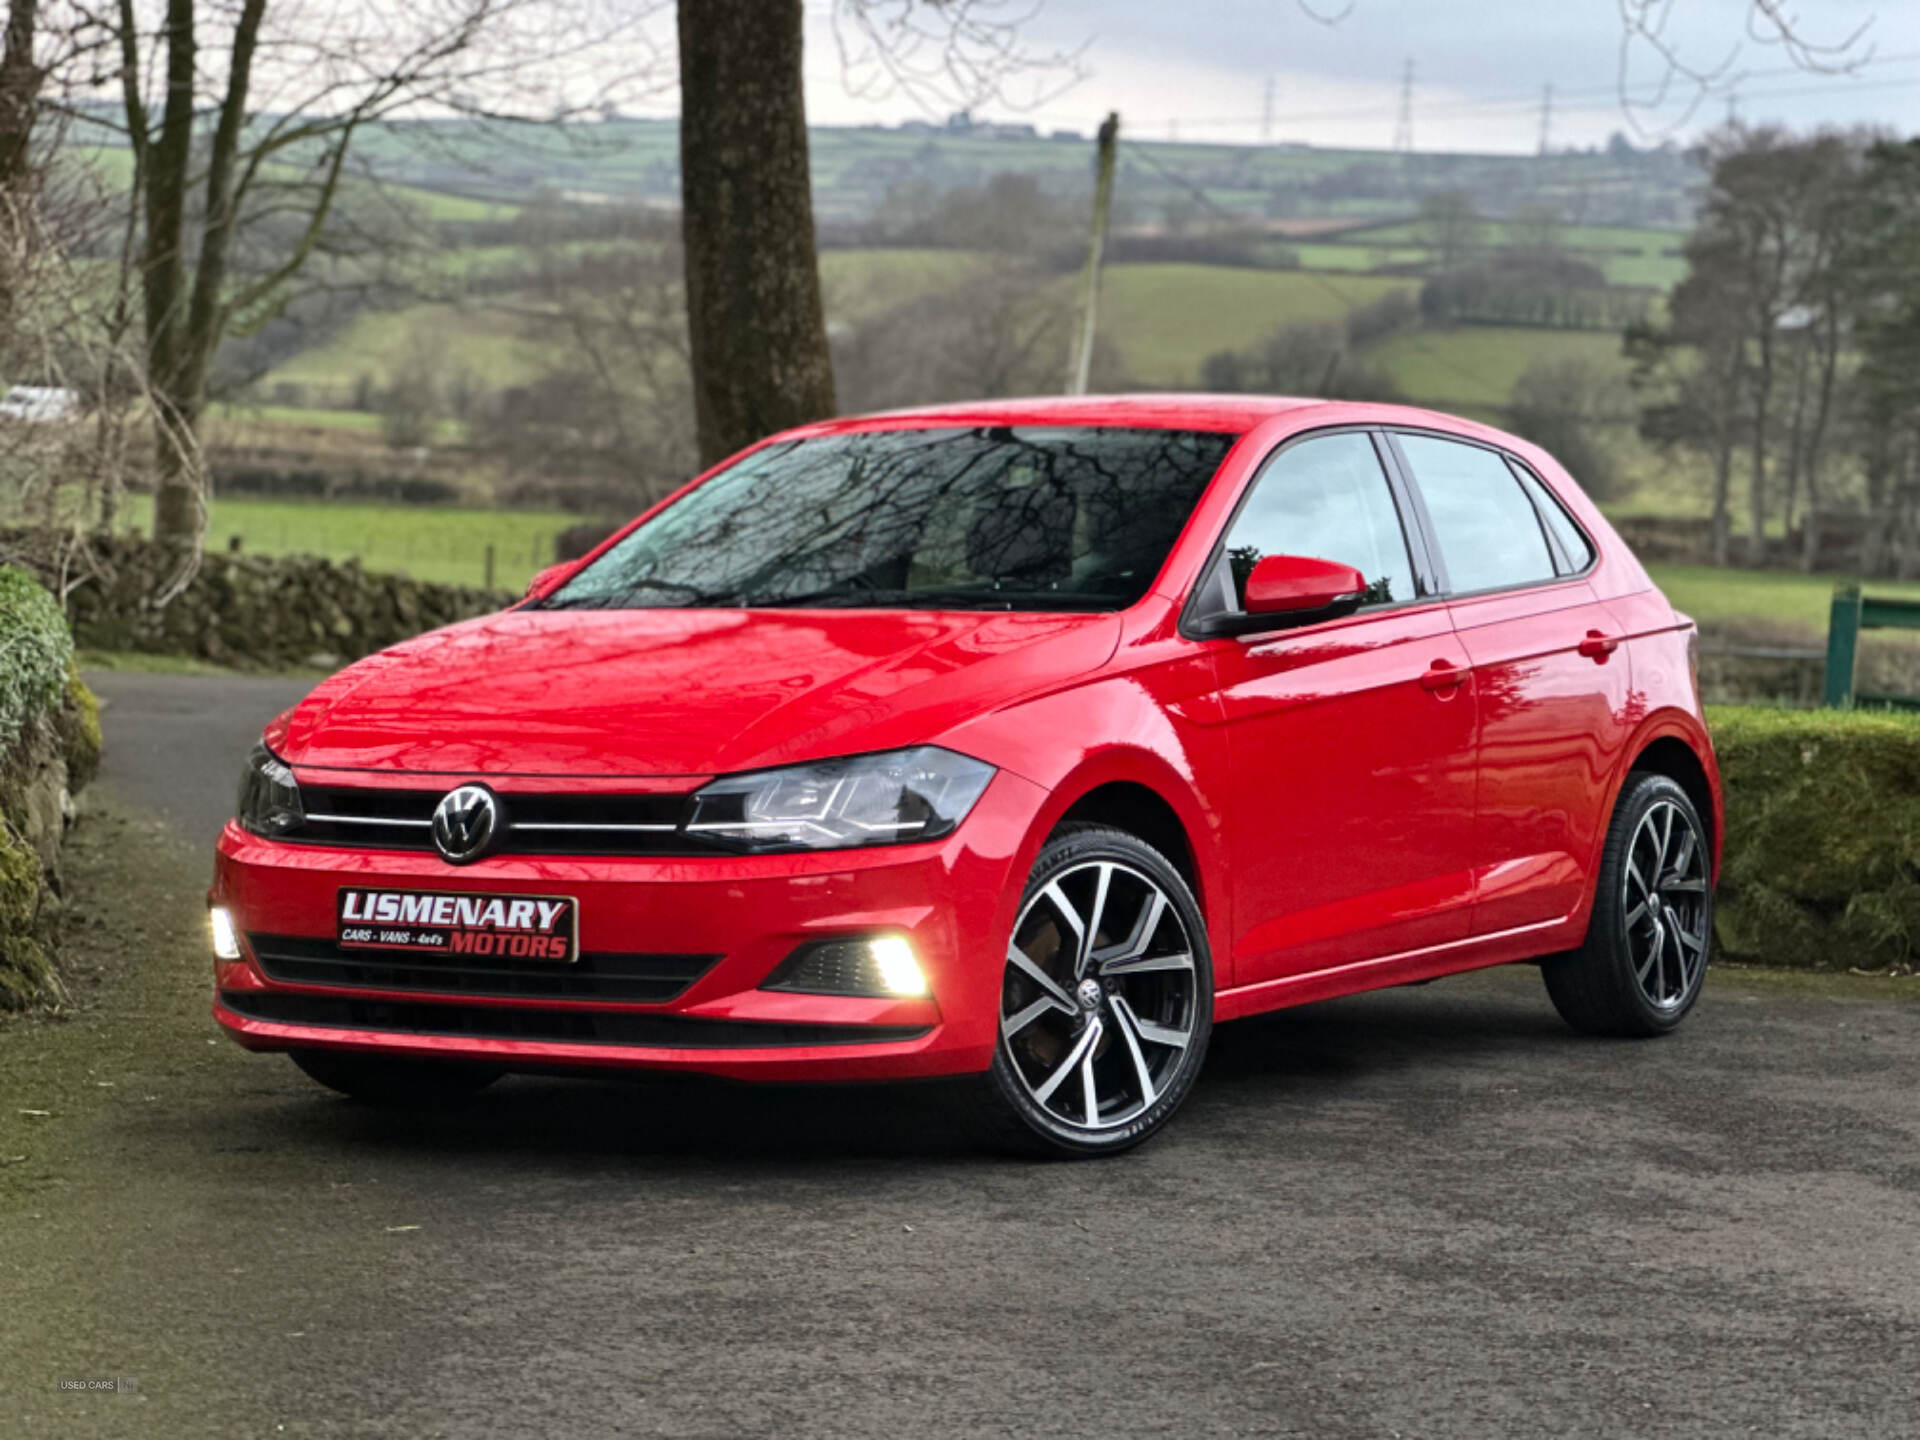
460, 926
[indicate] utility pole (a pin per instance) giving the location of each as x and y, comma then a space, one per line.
1546, 119
1082, 364
1403, 127
1266, 114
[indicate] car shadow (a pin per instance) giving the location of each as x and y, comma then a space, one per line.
1294, 1058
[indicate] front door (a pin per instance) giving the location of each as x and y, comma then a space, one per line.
1351, 741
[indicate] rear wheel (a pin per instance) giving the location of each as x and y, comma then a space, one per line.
1106, 1000
1645, 956
390, 1080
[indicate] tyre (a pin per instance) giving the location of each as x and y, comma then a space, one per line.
1645, 955
387, 1080
1106, 1001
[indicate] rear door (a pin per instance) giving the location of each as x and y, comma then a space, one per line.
1350, 815
1551, 680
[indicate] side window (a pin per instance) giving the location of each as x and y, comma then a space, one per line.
1327, 498
1489, 533
1573, 545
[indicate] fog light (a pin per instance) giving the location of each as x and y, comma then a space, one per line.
864, 965
226, 940
899, 971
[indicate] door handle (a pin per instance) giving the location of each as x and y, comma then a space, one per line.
1444, 675
1599, 645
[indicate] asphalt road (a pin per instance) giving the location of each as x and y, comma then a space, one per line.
1426, 1212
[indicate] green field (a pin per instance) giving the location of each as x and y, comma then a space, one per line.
1778, 597
436, 543
1626, 255
285, 417
1474, 366
1166, 319
496, 346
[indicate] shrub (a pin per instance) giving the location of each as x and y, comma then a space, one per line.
1564, 404
36, 654
1822, 861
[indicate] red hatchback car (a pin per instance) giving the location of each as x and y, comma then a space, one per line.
1018, 741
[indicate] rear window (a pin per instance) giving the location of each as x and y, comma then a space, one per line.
1000, 518
1490, 535
1575, 549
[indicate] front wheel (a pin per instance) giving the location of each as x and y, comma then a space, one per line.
1645, 955
1106, 1001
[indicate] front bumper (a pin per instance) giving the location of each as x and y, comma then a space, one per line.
950, 898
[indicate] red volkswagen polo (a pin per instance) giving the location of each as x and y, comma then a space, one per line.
1018, 741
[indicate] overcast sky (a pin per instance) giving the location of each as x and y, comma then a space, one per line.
1198, 69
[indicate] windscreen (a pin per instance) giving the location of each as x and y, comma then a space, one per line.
1002, 518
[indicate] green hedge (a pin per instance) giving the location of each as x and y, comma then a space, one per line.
36, 654
38, 683
1822, 861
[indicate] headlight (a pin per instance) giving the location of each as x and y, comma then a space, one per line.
269, 796
890, 799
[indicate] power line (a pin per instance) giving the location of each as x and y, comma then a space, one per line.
1266, 114
1609, 96
1546, 118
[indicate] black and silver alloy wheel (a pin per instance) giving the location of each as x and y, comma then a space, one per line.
1665, 884
1106, 1002
1645, 955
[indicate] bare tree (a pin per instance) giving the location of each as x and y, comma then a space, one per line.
1662, 85
235, 113
1003, 329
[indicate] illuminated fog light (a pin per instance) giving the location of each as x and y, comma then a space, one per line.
899, 971
869, 965
226, 940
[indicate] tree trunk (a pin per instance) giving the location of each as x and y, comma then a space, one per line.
20, 80
1720, 527
755, 319
185, 321
179, 492
1757, 494
1816, 441
163, 280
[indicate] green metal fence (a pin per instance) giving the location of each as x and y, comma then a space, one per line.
1852, 613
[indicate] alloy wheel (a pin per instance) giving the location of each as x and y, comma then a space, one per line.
1664, 895
1100, 997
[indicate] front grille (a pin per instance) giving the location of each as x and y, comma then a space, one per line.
574, 1027
362, 818
632, 979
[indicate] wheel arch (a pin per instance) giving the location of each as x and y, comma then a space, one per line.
1142, 811
1678, 747
1139, 792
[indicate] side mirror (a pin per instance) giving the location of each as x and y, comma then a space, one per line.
551, 579
1288, 590
1288, 584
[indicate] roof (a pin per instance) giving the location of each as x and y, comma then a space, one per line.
1230, 414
